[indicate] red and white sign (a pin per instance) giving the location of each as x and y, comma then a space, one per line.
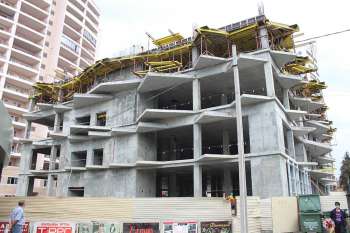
4, 227
47, 227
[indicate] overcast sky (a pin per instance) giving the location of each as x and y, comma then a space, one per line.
124, 23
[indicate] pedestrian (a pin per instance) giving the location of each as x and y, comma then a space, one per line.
338, 216
17, 218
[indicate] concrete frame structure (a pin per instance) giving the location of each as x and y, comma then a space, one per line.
38, 39
173, 134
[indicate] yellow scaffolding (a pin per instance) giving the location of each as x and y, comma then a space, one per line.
172, 55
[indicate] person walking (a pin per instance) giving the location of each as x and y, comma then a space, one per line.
17, 218
338, 217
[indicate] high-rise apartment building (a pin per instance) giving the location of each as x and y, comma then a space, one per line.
40, 41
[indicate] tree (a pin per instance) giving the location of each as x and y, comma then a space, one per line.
344, 178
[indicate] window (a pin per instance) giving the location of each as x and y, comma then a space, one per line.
98, 157
84, 120
12, 180
68, 43
78, 159
101, 119
45, 55
47, 44
76, 191
32, 129
42, 66
41, 78
48, 33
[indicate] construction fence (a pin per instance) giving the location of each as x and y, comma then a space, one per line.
153, 215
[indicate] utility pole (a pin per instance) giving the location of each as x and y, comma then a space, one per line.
240, 141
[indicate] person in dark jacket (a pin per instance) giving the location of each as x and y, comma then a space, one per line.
338, 217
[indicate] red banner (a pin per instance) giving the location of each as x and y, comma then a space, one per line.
4, 227
54, 228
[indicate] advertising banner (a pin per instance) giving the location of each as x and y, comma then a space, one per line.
104, 227
141, 228
180, 227
50, 227
4, 227
84, 227
216, 227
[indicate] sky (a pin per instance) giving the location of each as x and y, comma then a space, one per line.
124, 23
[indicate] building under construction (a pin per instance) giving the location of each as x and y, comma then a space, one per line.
162, 123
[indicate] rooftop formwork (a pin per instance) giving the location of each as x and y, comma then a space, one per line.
162, 123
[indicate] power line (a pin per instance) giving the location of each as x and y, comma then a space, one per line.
324, 35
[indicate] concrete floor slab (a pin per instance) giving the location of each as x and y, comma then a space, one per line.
157, 81
115, 86
205, 61
161, 114
83, 100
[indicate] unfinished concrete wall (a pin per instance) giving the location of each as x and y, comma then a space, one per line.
146, 183
147, 147
265, 129
125, 149
269, 176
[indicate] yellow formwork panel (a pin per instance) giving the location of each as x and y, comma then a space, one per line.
168, 39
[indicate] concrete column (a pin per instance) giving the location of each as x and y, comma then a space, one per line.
196, 94
290, 187
227, 186
286, 99
22, 185
194, 55
53, 154
50, 186
30, 187
291, 148
223, 99
56, 126
197, 180
172, 185
264, 38
270, 85
28, 130
172, 146
226, 142
197, 152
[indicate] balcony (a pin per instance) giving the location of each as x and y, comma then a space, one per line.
31, 22
34, 11
316, 149
35, 36
22, 67
92, 18
42, 4
91, 27
71, 33
89, 37
88, 47
70, 44
77, 4
72, 21
30, 58
67, 65
15, 93
19, 109
19, 125
20, 80
21, 40
91, 6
